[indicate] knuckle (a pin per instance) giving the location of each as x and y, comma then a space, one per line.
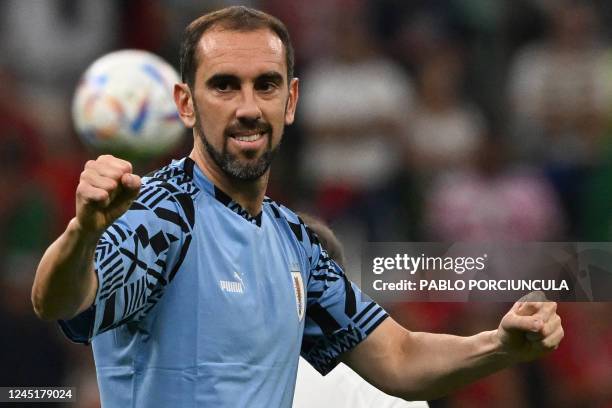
120, 166
100, 196
126, 166
89, 194
88, 171
84, 189
110, 172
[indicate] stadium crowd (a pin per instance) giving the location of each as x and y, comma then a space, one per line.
429, 120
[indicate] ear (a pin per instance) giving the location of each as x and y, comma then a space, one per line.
184, 104
292, 101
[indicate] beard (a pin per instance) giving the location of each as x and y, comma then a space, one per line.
230, 163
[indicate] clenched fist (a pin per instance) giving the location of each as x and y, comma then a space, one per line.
531, 328
106, 190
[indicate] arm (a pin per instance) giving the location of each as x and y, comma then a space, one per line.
417, 366
65, 282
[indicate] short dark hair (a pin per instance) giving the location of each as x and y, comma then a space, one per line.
237, 18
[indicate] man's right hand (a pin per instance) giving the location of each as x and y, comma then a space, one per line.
106, 190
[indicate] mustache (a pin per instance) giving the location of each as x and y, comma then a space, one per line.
258, 126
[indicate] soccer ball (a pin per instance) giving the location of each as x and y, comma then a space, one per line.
123, 105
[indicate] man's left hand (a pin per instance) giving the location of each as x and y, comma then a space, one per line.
531, 329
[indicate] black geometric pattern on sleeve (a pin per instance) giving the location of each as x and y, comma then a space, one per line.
325, 271
133, 261
336, 338
323, 355
342, 328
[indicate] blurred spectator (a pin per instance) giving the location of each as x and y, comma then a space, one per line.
444, 130
50, 42
560, 91
354, 106
559, 88
493, 202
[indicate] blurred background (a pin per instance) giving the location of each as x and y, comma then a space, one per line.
421, 120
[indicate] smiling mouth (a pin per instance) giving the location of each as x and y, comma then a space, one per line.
250, 137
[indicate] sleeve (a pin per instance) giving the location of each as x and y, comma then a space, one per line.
136, 257
338, 315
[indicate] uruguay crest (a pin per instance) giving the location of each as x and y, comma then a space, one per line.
298, 289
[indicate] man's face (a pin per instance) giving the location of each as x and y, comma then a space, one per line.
242, 100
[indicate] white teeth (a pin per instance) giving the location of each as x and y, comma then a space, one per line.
249, 138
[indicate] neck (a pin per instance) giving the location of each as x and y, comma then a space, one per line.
248, 193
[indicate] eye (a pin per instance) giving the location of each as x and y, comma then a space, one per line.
224, 86
223, 83
266, 86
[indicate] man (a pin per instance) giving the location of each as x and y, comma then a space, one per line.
198, 291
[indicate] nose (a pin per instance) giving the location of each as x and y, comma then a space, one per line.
248, 109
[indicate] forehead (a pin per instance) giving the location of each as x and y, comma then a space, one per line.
240, 53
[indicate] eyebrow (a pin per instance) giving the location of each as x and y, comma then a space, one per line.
272, 76
215, 79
